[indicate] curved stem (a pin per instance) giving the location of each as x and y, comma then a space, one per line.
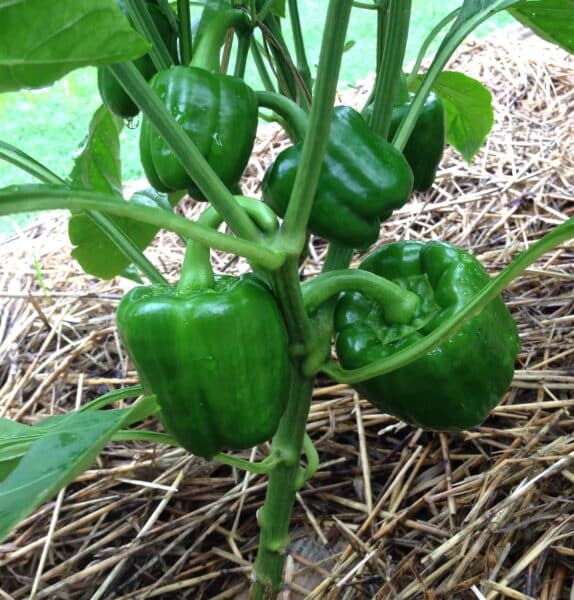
185, 38
396, 30
185, 150
124, 243
399, 305
26, 163
295, 116
211, 33
37, 197
560, 234
427, 42
258, 211
126, 246
312, 457
315, 144
266, 466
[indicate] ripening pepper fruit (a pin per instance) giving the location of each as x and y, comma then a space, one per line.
363, 179
218, 112
425, 146
216, 357
112, 93
455, 385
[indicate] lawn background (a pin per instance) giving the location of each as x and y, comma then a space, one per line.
50, 124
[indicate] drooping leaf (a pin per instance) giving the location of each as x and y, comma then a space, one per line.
98, 167
469, 112
16, 438
93, 249
42, 41
57, 456
552, 20
52, 462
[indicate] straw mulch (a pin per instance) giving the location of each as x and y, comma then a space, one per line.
393, 512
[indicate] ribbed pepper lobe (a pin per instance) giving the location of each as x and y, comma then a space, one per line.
217, 360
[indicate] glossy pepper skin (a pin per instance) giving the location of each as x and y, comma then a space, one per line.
216, 359
455, 385
362, 181
218, 112
112, 93
425, 146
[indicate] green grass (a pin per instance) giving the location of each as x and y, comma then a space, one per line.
50, 124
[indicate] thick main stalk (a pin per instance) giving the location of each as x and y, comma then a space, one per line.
275, 516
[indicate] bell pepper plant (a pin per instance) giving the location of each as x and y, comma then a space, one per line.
419, 329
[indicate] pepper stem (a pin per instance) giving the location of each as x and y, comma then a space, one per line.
217, 18
196, 273
403, 90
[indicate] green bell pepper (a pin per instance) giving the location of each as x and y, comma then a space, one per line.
425, 146
214, 351
426, 143
112, 93
455, 385
218, 112
362, 181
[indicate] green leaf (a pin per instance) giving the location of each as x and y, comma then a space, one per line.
93, 249
469, 112
98, 168
278, 8
65, 446
552, 20
16, 438
42, 41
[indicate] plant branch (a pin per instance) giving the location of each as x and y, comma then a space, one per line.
185, 39
299, 42
275, 515
264, 467
112, 230
30, 198
290, 111
427, 42
395, 33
